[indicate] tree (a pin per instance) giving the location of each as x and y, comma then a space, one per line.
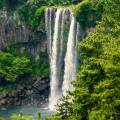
12, 67
11, 4
97, 88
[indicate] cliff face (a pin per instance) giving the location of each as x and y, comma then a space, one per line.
17, 34
28, 94
13, 31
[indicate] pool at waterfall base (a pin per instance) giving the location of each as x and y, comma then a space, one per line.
8, 112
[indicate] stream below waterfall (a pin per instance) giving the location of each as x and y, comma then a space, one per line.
7, 112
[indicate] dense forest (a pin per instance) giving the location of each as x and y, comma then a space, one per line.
96, 94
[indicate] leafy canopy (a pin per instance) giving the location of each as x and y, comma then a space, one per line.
12, 67
97, 88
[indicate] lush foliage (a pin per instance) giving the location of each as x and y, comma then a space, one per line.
64, 2
97, 88
32, 15
41, 66
12, 67
53, 118
88, 12
15, 64
11, 4
33, 10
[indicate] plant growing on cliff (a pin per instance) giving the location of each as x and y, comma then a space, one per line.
12, 67
11, 5
88, 12
32, 13
41, 66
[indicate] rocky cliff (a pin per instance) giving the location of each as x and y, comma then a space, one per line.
17, 34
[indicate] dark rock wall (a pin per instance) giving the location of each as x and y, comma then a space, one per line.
32, 94
13, 31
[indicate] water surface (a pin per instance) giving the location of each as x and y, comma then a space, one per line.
7, 112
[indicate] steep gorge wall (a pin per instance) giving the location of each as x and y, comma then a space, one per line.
13, 31
18, 35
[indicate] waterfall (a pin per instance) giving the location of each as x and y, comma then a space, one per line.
48, 23
54, 83
69, 73
61, 59
59, 63
76, 53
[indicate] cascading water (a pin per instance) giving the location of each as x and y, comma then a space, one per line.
54, 95
61, 50
77, 38
69, 73
56, 49
48, 21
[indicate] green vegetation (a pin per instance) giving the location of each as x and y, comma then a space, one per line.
18, 67
38, 116
1, 118
53, 118
41, 66
97, 88
12, 67
11, 4
21, 116
88, 12
32, 15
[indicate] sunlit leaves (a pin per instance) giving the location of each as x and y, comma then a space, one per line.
97, 88
12, 67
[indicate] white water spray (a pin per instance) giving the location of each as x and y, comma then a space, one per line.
48, 27
70, 58
54, 95
56, 48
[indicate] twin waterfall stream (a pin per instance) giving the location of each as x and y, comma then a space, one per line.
62, 51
